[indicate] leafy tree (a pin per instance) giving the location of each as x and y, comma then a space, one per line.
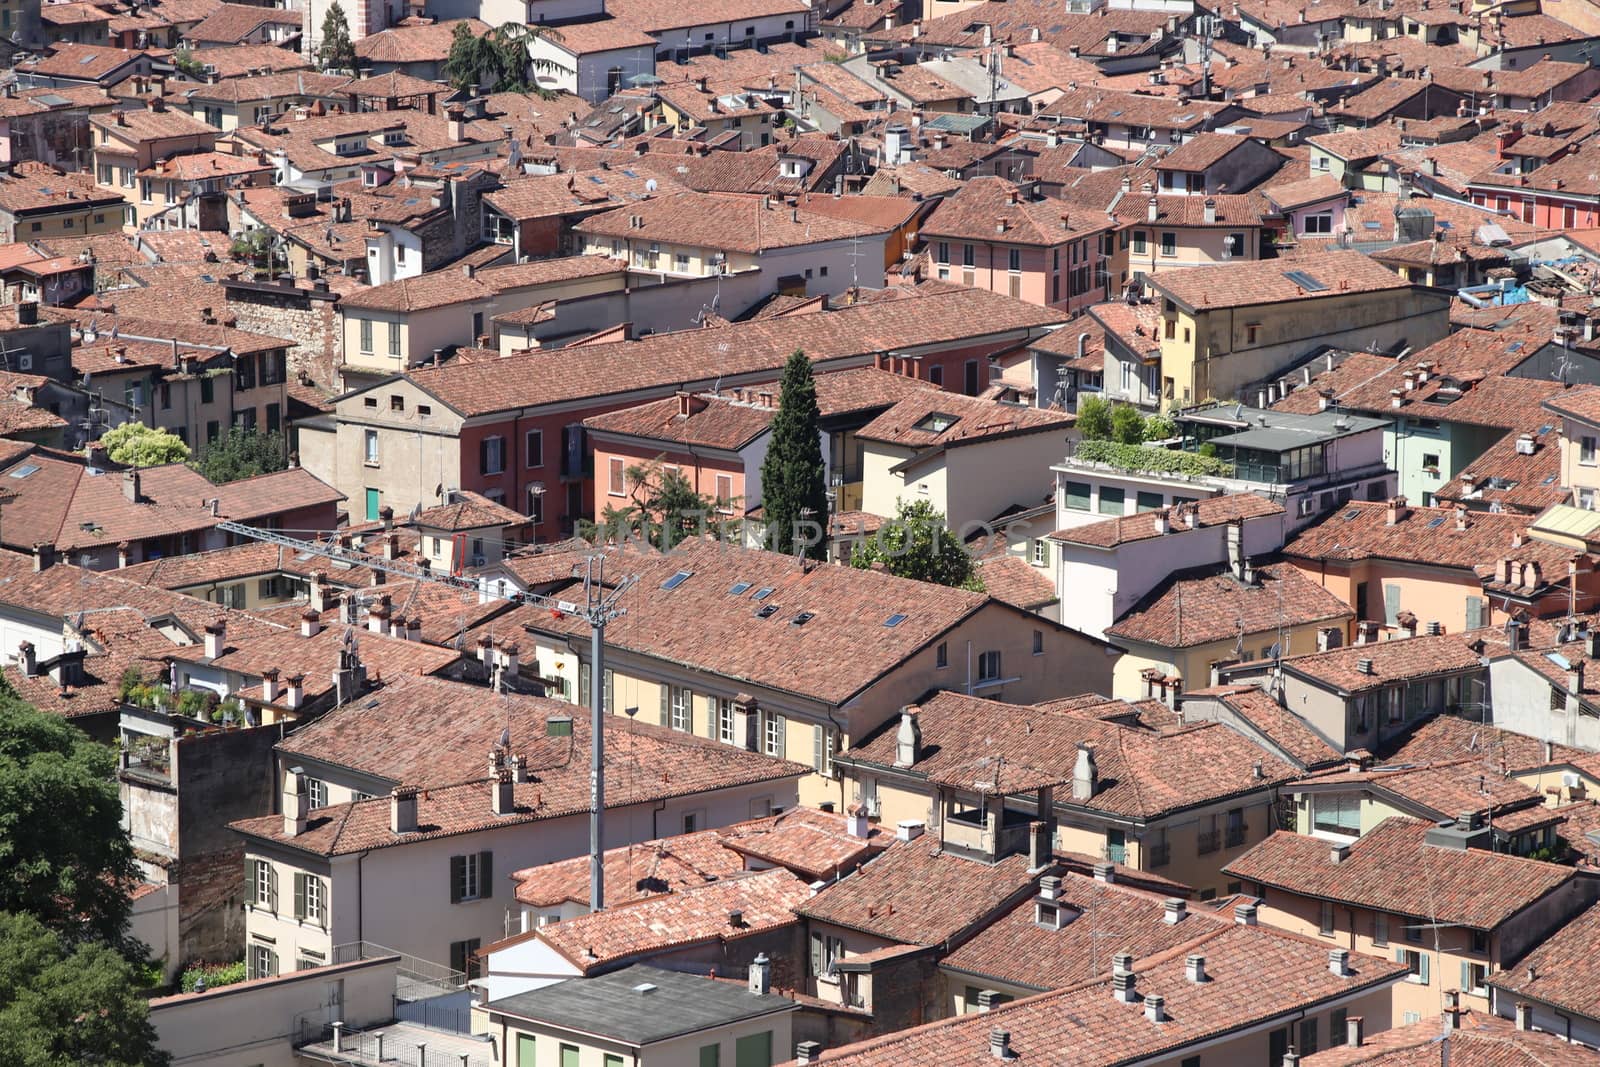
664, 510
184, 59
1094, 418
66, 857
242, 453
1127, 425
1159, 427
499, 59
916, 543
336, 52
794, 484
64, 1003
138, 445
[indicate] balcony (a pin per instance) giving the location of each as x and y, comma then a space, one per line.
1237, 835
1208, 841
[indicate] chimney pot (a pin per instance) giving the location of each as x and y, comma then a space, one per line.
1339, 962
1195, 967
1174, 911
1352, 1030
403, 810
1244, 914
1155, 1008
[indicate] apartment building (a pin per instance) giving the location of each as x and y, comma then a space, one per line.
37, 203
128, 144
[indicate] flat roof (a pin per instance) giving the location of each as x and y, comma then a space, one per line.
641, 1005
1278, 431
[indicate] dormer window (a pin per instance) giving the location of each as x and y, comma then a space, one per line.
936, 422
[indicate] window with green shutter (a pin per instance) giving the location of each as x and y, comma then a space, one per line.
710, 1056
1077, 495
1148, 501
1475, 617
753, 1050
1391, 604
525, 1050
1111, 500
613, 1060
299, 895
569, 1056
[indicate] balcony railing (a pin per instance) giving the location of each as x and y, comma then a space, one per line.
1237, 835
1209, 841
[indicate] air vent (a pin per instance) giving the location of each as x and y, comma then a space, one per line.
802, 618
767, 612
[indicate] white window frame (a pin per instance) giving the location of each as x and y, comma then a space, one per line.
725, 722
263, 884
1041, 552
681, 709
316, 792
370, 448
470, 887
494, 454
316, 900
986, 672
773, 727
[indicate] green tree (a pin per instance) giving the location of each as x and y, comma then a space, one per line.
137, 445
336, 52
499, 59
66, 857
242, 453
1094, 418
664, 510
63, 1003
188, 65
916, 543
794, 484
1127, 425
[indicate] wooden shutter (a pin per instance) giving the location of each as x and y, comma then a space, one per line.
1391, 604
272, 964
666, 705
816, 953
1474, 612
250, 881
817, 741
272, 888
483, 456
299, 895
485, 875
458, 868
1422, 970
1466, 977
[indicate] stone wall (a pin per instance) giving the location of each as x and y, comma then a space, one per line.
307, 316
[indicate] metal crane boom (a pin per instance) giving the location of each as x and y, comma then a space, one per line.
600, 606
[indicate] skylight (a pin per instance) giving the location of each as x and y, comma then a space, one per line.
1305, 281
1352, 513
677, 580
764, 592
738, 587
802, 618
1434, 524
767, 612
895, 620
25, 470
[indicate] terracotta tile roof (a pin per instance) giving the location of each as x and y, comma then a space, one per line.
976, 211
1506, 477
72, 14
654, 16
272, 494
250, 559
575, 193
1450, 737
1392, 661
843, 648
1015, 581
814, 844
918, 894
1316, 189
930, 421
1481, 1041
761, 171
713, 421
1274, 722
1246, 284
85, 62
1359, 530
19, 416
1445, 789
735, 223
1390, 868
1017, 950
1255, 976
697, 915
63, 503
1211, 511
441, 288
468, 511
35, 193
1354, 146
1191, 608
1143, 774
632, 872
740, 348
648, 764
1581, 402
232, 23
414, 44
147, 125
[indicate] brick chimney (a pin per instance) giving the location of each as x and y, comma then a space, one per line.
130, 486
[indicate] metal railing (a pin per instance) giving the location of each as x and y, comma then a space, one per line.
380, 1046
412, 967
1237, 835
1208, 841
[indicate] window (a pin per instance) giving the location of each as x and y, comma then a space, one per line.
711, 1056
461, 953
1038, 642
208, 389
1416, 963
1337, 1018
371, 452
366, 337
1014, 259
317, 792
1139, 240
772, 735
823, 744
492, 455
1111, 500
1077, 495
941, 655
618, 476
274, 417
1586, 450
1252, 332
753, 1050
262, 962
1308, 1036
1336, 814
942, 252
471, 877
1413, 931
1169, 243
397, 403
1325, 923
725, 720
1147, 501
310, 899
724, 491
826, 952
1041, 552
394, 338
525, 1051
1235, 245
681, 715
1319, 222
969, 257
1380, 928
166, 395
264, 885
374, 502
989, 666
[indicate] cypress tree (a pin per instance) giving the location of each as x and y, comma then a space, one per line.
794, 485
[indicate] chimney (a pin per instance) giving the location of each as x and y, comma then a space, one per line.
378, 616
519, 769
1575, 679
1085, 776
44, 556
1041, 844
1515, 631
216, 636
1174, 911
908, 829
1124, 985
1339, 962
1337, 854
1152, 209
908, 738
807, 1051
1352, 1030
296, 802
130, 486
414, 633
1155, 1008
761, 975
1396, 510
1236, 549
855, 821
505, 794
1211, 211
297, 691
403, 809
1194, 968
1244, 914
1000, 1044
987, 999
310, 623
1524, 1015
1452, 1009
1105, 871
28, 313
1050, 887
269, 685
29, 658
